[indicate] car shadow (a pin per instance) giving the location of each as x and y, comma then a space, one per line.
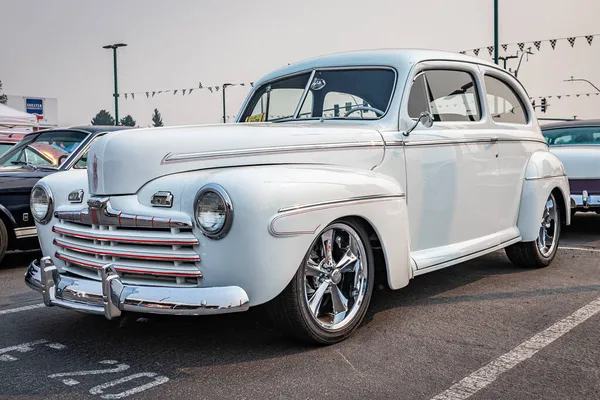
19, 259
583, 231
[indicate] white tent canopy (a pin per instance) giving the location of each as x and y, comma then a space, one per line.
9, 118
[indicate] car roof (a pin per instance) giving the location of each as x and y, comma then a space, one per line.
379, 57
571, 124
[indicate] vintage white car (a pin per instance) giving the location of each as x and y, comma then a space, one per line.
577, 145
392, 163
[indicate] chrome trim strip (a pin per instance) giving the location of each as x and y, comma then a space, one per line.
115, 236
458, 141
347, 200
545, 177
110, 296
210, 155
26, 232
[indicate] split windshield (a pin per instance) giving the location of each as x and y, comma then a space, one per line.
331, 94
48, 149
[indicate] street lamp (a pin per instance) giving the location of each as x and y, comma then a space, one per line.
582, 80
114, 48
224, 114
496, 32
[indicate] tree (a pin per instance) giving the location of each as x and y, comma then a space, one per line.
157, 118
127, 121
103, 118
3, 98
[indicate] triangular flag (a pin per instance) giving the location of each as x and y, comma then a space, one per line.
577, 95
133, 96
190, 92
490, 49
537, 44
521, 46
504, 47
147, 94
589, 39
242, 84
587, 94
571, 41
549, 97
553, 43
183, 91
476, 52
159, 92
153, 93
463, 52
210, 89
558, 96
125, 96
199, 85
252, 84
568, 95
217, 88
175, 92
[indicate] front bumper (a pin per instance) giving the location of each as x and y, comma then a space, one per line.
110, 296
585, 201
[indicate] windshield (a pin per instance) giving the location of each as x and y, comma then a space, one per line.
5, 146
580, 136
48, 149
331, 94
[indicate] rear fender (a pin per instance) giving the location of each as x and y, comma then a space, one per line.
544, 174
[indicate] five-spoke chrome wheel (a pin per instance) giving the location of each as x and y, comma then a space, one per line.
335, 277
547, 240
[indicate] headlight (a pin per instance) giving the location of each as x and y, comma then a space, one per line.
213, 211
41, 203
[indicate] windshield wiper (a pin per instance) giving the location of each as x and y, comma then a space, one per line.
24, 163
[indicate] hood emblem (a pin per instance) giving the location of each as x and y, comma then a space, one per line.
95, 173
76, 196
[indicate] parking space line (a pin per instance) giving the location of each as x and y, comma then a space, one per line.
489, 373
579, 248
19, 309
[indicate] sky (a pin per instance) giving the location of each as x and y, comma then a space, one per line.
53, 48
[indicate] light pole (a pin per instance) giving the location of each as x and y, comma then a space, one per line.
505, 58
496, 31
114, 48
581, 80
224, 114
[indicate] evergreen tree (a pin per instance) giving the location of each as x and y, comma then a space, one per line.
127, 121
3, 97
103, 118
157, 118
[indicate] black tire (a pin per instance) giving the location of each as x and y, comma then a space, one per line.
292, 315
3, 240
528, 254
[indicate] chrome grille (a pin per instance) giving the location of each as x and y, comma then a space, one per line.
141, 255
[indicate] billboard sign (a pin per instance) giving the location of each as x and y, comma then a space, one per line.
34, 106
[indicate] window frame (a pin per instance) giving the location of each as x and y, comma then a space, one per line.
494, 75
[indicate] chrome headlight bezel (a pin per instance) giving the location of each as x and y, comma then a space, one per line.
42, 186
226, 200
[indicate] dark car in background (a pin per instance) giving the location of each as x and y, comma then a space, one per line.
38, 154
577, 144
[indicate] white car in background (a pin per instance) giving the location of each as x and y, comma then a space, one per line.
393, 163
577, 145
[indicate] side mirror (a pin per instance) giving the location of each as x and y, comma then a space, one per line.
425, 118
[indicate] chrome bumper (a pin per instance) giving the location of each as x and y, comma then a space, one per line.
109, 297
585, 200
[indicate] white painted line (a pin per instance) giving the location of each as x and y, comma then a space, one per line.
56, 346
488, 374
19, 309
158, 380
7, 357
579, 248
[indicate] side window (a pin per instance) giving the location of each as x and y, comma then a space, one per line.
504, 104
417, 101
452, 96
337, 104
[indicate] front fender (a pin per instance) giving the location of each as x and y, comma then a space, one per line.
544, 174
279, 210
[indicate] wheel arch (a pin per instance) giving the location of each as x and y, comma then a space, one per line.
9, 222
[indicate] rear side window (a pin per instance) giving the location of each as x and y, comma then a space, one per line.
449, 95
582, 136
504, 104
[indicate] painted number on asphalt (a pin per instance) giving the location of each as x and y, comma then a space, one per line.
26, 348
72, 382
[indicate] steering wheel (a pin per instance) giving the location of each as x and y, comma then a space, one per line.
365, 108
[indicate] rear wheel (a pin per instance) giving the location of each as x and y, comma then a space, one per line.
541, 252
329, 295
3, 240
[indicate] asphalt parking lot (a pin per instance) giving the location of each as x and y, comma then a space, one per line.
481, 330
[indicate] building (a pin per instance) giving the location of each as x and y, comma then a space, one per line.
45, 108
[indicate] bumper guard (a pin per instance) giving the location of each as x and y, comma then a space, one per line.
110, 296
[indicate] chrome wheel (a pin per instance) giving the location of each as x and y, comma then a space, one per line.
335, 277
548, 238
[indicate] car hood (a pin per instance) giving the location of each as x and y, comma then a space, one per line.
122, 162
20, 178
580, 162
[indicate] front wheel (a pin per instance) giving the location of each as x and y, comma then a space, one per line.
541, 252
329, 295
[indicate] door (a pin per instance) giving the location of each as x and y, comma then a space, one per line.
452, 168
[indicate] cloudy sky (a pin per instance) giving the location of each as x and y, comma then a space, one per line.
53, 48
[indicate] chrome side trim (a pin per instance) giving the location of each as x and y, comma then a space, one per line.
211, 155
339, 201
110, 296
458, 141
21, 233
